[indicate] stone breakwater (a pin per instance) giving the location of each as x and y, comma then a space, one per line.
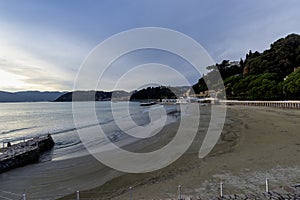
283, 193
24, 153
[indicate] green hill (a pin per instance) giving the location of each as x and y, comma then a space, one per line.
281, 58
270, 75
161, 92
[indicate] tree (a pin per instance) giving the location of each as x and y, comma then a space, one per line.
281, 58
291, 86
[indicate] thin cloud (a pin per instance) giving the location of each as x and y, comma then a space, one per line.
44, 49
30, 73
36, 65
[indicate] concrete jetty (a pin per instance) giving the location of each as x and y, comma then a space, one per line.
23, 153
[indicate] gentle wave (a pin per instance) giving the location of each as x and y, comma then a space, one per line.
57, 120
65, 144
16, 130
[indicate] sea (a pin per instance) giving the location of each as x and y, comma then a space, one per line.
22, 121
69, 166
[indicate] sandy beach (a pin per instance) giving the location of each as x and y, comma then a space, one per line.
256, 143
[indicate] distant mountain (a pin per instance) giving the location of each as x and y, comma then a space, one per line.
93, 96
29, 96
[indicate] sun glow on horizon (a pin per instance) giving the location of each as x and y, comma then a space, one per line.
12, 81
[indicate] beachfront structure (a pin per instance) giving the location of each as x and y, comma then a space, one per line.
278, 104
182, 100
204, 94
168, 100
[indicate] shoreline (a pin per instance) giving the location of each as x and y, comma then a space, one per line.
232, 159
108, 191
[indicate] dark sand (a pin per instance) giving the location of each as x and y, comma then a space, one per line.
256, 143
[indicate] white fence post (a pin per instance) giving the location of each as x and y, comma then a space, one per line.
267, 185
77, 195
24, 196
221, 189
131, 195
179, 192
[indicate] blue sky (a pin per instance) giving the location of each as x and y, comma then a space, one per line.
43, 43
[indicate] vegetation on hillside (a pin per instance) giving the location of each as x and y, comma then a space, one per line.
291, 86
281, 58
261, 76
160, 92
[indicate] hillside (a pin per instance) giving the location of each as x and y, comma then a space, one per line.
270, 75
153, 93
161, 92
282, 57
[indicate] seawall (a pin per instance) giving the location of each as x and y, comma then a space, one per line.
24, 153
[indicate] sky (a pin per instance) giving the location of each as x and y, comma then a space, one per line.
44, 43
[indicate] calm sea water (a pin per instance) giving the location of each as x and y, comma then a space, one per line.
27, 120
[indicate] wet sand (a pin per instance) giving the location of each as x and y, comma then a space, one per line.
256, 143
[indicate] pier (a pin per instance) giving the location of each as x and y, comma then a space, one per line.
23, 153
277, 104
